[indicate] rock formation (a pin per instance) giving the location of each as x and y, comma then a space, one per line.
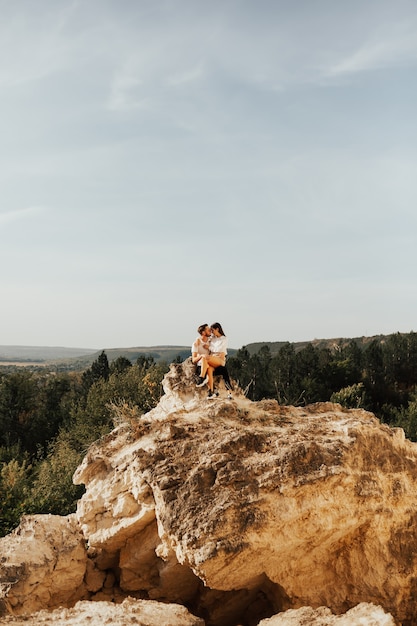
240, 511
42, 564
129, 613
151, 613
361, 615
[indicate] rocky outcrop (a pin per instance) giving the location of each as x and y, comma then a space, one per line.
150, 613
42, 564
241, 511
129, 613
361, 615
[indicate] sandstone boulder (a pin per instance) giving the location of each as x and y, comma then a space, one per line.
130, 613
241, 510
42, 564
361, 615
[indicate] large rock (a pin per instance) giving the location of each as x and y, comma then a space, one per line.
238, 510
42, 564
130, 613
242, 510
361, 615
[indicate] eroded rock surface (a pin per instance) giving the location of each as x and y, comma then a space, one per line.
276, 507
361, 615
42, 564
130, 613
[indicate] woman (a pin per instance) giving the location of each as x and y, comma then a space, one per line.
217, 356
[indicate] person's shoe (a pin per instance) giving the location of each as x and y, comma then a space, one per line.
229, 396
202, 381
216, 393
210, 395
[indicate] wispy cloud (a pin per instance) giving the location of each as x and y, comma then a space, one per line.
34, 41
125, 91
393, 47
187, 76
20, 214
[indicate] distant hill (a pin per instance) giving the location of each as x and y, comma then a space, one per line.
41, 353
275, 346
82, 358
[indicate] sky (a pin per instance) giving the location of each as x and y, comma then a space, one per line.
167, 163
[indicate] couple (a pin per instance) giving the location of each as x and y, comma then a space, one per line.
209, 351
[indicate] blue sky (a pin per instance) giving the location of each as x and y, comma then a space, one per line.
164, 163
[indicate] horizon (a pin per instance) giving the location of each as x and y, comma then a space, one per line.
185, 345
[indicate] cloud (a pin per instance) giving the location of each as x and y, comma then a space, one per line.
187, 76
19, 214
143, 72
392, 46
37, 41
123, 88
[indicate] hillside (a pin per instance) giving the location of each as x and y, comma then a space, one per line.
275, 346
41, 353
81, 358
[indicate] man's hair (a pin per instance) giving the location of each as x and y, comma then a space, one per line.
201, 328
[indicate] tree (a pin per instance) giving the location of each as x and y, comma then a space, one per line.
352, 397
18, 404
54, 397
119, 365
14, 488
238, 367
286, 381
99, 370
354, 356
144, 362
395, 353
406, 418
374, 379
308, 374
53, 490
374, 364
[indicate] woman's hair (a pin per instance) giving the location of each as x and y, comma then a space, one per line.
201, 328
218, 326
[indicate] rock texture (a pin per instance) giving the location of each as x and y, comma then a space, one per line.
241, 511
361, 615
42, 564
150, 613
130, 613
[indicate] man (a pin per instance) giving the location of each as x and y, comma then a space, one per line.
200, 350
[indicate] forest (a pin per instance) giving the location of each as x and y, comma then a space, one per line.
379, 376
48, 419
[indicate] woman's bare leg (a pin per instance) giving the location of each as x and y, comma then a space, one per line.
213, 362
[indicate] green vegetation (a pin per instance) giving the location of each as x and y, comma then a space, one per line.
377, 374
47, 422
